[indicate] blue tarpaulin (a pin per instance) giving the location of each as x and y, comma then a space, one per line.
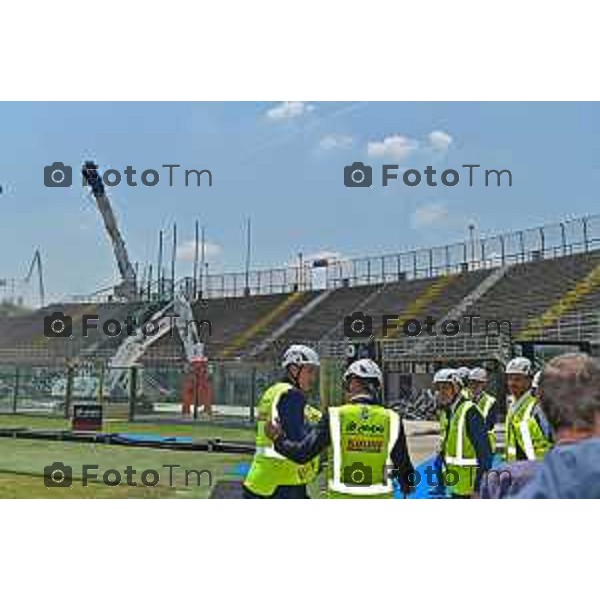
424, 490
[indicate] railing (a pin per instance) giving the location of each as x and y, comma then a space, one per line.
545, 242
549, 241
266, 281
479, 347
223, 285
583, 326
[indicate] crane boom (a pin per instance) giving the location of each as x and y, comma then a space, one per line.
37, 262
176, 314
128, 287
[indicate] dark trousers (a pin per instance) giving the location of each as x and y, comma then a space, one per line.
283, 492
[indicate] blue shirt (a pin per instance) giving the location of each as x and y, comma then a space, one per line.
567, 471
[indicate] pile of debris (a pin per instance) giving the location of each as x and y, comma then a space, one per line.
418, 405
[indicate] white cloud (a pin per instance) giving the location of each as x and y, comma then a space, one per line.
440, 140
393, 146
289, 110
429, 214
186, 250
335, 142
399, 147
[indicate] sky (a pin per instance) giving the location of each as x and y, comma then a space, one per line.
281, 164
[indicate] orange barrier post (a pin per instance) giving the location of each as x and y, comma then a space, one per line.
197, 389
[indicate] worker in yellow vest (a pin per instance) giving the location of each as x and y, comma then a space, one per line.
528, 434
461, 378
367, 444
463, 373
465, 451
486, 403
271, 474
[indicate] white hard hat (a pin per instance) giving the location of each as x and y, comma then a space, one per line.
463, 373
365, 368
478, 374
536, 380
298, 354
519, 366
446, 376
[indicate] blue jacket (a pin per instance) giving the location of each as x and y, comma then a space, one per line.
290, 411
507, 479
567, 471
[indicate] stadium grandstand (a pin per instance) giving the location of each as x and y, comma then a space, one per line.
539, 286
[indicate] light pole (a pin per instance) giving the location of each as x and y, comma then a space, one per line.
300, 274
472, 238
248, 250
196, 259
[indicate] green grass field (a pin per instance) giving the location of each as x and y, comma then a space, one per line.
201, 430
22, 462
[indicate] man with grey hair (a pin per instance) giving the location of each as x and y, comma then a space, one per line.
569, 393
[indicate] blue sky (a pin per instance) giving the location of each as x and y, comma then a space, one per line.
282, 165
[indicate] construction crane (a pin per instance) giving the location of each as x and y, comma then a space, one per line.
127, 289
37, 263
176, 314
16, 285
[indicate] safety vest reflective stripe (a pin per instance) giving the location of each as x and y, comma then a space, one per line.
485, 403
269, 469
460, 435
270, 452
335, 484
458, 458
461, 462
518, 427
370, 490
526, 433
511, 449
336, 444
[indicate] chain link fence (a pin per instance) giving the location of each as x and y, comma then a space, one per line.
216, 391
